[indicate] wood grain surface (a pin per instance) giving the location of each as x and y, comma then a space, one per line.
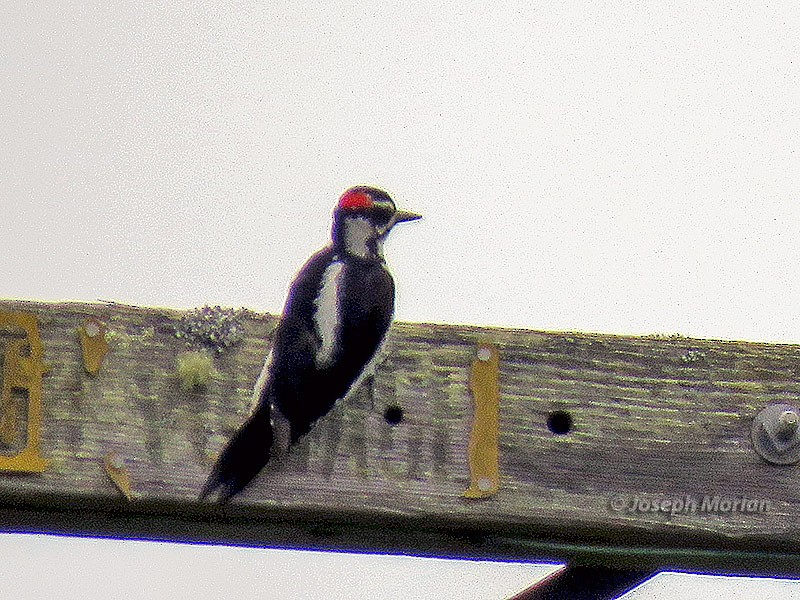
655, 421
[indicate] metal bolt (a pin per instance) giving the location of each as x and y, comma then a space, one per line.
776, 434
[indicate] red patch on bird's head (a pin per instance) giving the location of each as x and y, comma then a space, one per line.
355, 199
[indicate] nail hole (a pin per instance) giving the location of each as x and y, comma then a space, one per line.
393, 415
559, 422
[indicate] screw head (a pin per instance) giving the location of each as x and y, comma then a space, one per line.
116, 461
484, 353
92, 327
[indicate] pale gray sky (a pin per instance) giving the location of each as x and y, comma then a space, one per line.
620, 166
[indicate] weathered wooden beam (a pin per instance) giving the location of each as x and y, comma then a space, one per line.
600, 439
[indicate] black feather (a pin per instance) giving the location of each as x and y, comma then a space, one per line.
301, 390
245, 455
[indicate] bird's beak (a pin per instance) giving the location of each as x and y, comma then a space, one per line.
398, 217
403, 215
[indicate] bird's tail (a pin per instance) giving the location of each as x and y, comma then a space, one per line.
245, 455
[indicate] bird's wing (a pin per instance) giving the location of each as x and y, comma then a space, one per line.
295, 371
320, 356
291, 361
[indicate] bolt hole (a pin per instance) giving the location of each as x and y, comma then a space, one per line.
559, 422
393, 415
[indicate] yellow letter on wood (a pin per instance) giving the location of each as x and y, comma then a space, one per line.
22, 370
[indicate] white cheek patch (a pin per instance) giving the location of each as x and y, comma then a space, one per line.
327, 316
357, 233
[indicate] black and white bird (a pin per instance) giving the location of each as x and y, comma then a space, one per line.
336, 316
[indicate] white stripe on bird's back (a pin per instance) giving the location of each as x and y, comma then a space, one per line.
327, 317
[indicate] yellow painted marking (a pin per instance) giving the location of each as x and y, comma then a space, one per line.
93, 344
484, 439
118, 473
12, 378
22, 370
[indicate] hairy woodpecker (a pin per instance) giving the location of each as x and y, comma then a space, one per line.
337, 313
